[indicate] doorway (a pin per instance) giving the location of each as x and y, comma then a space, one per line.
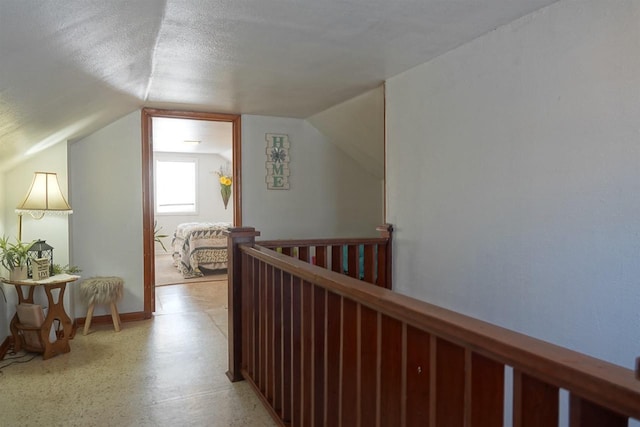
148, 115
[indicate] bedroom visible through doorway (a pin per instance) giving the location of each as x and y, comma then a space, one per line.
192, 171
192, 197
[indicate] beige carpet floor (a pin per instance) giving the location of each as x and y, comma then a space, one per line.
164, 372
168, 274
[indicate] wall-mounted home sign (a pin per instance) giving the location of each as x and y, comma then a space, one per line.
277, 163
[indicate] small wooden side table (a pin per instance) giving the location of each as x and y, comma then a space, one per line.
56, 312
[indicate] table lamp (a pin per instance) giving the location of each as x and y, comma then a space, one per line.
43, 196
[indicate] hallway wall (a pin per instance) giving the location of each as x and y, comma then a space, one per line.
513, 177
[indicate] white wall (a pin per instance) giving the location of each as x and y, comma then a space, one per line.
210, 205
4, 315
106, 196
357, 127
3, 204
330, 194
513, 177
54, 229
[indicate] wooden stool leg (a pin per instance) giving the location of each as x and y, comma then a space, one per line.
87, 321
115, 316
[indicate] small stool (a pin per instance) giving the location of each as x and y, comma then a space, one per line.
102, 290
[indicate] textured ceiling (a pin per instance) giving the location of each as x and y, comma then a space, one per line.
172, 135
68, 67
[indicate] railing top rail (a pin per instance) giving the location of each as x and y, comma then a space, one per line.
604, 383
322, 242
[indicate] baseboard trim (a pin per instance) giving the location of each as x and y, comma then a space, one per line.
106, 318
5, 346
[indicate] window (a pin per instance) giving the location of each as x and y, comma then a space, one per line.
176, 186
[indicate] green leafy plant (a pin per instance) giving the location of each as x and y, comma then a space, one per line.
14, 255
68, 269
157, 236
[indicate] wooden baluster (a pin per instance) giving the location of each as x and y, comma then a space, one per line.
269, 348
583, 413
368, 355
321, 256
418, 377
336, 258
296, 351
307, 353
487, 392
535, 403
287, 363
262, 328
277, 341
332, 360
353, 262
319, 357
450, 384
349, 363
382, 276
391, 357
256, 308
303, 253
369, 264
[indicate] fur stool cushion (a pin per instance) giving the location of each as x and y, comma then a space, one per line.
101, 290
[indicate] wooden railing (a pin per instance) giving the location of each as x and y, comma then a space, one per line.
325, 349
367, 259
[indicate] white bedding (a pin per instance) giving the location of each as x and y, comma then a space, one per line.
199, 244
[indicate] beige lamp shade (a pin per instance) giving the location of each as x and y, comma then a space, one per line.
44, 196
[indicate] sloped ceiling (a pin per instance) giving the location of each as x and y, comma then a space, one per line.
68, 67
357, 127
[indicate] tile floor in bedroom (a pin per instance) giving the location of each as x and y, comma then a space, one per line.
168, 371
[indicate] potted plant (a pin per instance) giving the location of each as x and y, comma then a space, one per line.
67, 269
157, 236
14, 256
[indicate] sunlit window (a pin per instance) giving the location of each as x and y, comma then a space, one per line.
176, 186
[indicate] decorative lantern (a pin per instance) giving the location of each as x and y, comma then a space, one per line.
39, 252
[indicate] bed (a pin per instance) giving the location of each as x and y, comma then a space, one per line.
199, 245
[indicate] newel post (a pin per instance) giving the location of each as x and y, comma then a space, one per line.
235, 237
386, 231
